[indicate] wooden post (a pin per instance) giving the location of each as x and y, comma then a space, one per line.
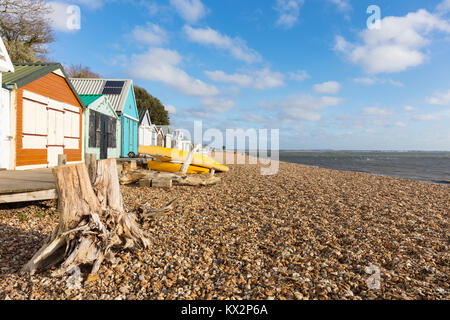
90, 160
119, 168
62, 159
189, 158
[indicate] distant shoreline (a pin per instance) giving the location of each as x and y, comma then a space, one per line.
432, 167
349, 151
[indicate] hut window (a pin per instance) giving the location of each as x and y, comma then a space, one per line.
112, 132
95, 122
92, 138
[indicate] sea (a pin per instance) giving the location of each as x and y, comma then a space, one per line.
426, 166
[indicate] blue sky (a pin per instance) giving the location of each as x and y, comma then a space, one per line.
311, 68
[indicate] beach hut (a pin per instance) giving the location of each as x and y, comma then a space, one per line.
46, 113
159, 137
168, 140
179, 141
6, 126
148, 133
120, 93
102, 127
166, 136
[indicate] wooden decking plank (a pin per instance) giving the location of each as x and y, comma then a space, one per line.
26, 181
29, 196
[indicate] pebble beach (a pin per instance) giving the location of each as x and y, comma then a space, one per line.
304, 233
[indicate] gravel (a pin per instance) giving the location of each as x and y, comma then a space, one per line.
305, 233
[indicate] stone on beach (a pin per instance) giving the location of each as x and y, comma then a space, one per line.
304, 233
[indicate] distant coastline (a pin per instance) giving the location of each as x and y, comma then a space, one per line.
430, 166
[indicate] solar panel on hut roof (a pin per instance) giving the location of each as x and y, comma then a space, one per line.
111, 90
113, 87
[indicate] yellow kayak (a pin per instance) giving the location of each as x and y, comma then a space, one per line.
174, 167
168, 154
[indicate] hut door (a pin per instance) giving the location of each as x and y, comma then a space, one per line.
55, 142
5, 132
104, 137
159, 140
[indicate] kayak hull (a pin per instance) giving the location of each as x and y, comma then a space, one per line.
168, 154
174, 167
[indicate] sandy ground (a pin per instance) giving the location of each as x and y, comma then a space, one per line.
304, 233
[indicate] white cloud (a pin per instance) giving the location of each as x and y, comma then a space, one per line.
170, 109
242, 80
427, 117
367, 81
377, 112
299, 75
60, 15
373, 81
260, 79
443, 7
342, 45
255, 118
442, 99
342, 4
330, 87
265, 78
395, 83
219, 105
190, 10
303, 107
289, 12
235, 46
396, 46
409, 108
152, 7
400, 124
150, 34
92, 4
162, 65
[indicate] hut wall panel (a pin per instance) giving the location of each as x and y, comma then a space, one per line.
54, 87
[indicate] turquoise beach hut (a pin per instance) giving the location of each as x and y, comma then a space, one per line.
102, 127
120, 93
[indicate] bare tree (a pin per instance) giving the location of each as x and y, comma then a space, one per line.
78, 71
26, 29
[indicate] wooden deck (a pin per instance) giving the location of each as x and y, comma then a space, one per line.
27, 185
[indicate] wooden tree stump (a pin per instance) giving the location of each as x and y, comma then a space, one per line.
92, 220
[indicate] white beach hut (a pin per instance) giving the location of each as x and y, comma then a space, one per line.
6, 121
147, 131
179, 141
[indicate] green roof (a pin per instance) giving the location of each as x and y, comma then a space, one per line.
25, 73
89, 98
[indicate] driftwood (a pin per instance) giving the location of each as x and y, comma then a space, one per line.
149, 213
92, 222
133, 176
189, 158
197, 180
